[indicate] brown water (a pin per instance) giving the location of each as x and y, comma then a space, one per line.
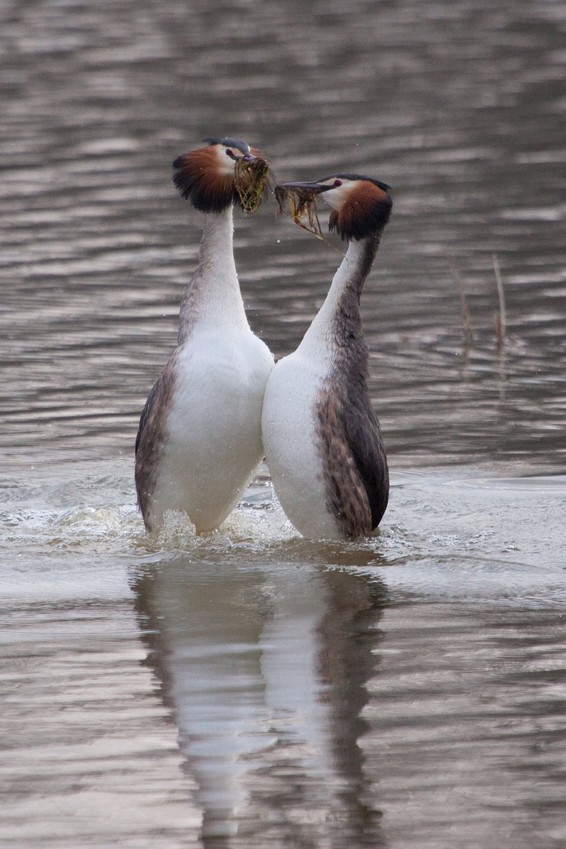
250, 688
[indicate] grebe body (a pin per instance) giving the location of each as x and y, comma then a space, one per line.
322, 440
199, 439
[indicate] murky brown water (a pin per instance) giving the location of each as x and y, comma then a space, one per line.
251, 688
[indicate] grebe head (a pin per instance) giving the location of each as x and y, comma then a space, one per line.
361, 206
226, 171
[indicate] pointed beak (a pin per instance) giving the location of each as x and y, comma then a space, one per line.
314, 186
248, 157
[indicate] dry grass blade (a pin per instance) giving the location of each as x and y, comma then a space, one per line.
464, 311
251, 182
501, 317
302, 206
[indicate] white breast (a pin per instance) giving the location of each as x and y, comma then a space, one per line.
291, 445
213, 431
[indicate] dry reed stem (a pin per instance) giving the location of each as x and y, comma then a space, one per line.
464, 310
251, 182
302, 207
501, 316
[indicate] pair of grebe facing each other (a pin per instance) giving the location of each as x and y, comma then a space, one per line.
200, 433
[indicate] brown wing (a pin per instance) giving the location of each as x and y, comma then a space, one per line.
354, 461
150, 438
364, 438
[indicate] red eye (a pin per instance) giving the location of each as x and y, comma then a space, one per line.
337, 183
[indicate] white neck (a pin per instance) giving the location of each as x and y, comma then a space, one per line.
213, 295
321, 333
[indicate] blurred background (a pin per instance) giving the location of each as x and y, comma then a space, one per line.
458, 105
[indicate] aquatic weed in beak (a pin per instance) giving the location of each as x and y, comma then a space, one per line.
251, 178
302, 207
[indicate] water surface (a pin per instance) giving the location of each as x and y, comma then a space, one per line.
250, 687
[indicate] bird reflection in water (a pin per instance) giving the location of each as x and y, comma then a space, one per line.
265, 673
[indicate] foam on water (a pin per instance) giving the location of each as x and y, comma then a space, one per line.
449, 534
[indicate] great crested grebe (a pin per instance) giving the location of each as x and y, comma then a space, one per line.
322, 441
199, 437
